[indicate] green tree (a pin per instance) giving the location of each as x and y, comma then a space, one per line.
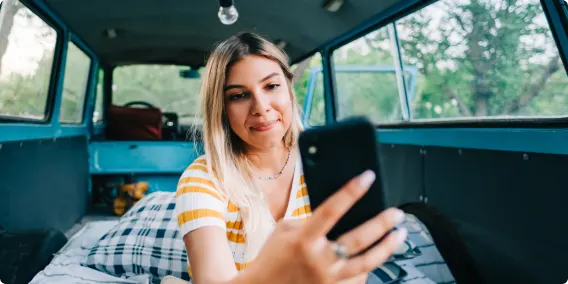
483, 58
24, 92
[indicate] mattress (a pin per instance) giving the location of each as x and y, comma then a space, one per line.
66, 264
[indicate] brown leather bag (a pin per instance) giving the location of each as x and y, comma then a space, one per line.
130, 123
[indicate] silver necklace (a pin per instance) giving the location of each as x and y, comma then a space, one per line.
279, 173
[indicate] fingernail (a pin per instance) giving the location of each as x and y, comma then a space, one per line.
398, 216
401, 234
366, 179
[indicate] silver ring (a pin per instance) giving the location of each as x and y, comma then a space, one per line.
340, 250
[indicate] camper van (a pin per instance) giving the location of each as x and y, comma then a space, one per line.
99, 118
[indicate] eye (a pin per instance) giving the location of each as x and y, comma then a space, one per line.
236, 97
272, 86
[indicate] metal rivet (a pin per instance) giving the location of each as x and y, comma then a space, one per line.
526, 157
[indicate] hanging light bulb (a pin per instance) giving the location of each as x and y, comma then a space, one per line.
228, 14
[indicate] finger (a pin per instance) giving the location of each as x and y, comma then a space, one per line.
371, 231
289, 225
331, 210
374, 257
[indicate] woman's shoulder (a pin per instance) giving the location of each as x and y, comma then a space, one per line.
197, 168
197, 178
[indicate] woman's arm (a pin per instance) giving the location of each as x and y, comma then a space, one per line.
210, 257
201, 209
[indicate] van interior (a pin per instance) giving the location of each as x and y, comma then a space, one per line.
99, 111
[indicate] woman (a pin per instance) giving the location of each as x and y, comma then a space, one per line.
250, 179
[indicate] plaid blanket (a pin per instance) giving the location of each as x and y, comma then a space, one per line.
145, 241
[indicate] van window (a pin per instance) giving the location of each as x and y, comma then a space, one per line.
309, 84
480, 59
317, 108
159, 85
98, 114
366, 79
27, 46
74, 85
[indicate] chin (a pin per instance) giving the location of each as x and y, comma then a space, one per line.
267, 142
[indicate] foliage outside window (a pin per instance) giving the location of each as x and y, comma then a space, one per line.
305, 74
160, 85
475, 59
74, 85
27, 46
98, 114
366, 79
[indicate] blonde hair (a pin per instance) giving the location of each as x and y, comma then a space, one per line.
224, 150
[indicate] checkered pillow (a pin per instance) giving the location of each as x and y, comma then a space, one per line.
145, 241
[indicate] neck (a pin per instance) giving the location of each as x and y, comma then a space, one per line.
268, 161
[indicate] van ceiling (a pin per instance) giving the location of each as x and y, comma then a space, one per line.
183, 31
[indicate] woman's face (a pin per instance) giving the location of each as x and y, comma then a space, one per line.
257, 101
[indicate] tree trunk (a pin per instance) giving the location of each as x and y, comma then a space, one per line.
532, 90
481, 65
9, 10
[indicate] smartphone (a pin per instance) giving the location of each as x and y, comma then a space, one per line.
331, 156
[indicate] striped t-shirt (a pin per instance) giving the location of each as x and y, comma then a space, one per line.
199, 204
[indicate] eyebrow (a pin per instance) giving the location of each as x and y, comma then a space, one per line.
228, 87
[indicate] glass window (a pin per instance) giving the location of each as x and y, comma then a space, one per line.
485, 58
366, 79
98, 114
317, 107
27, 46
74, 85
160, 85
309, 84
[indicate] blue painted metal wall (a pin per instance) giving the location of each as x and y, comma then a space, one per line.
137, 157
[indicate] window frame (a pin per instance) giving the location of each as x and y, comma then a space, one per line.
56, 67
556, 14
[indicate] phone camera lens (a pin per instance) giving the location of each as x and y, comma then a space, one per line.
312, 150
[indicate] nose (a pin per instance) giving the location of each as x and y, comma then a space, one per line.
260, 103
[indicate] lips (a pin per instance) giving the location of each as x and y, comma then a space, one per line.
264, 126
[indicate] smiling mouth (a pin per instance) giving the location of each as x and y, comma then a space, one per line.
264, 126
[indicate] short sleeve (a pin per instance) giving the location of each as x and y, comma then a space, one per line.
198, 202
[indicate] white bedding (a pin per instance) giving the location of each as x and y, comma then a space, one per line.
66, 264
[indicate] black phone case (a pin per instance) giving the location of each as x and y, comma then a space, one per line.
331, 156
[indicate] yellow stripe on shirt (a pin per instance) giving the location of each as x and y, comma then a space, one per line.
302, 210
196, 189
302, 192
190, 215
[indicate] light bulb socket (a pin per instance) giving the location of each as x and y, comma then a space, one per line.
225, 3
333, 5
